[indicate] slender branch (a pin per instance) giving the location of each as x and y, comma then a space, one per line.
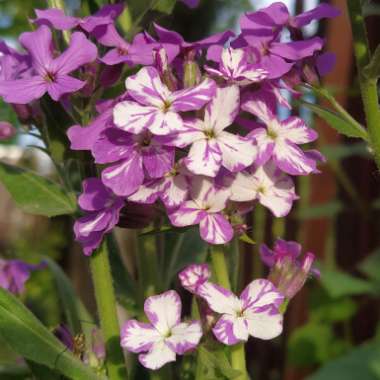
221, 273
368, 86
106, 303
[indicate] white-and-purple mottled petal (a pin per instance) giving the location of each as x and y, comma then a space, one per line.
215, 229
184, 337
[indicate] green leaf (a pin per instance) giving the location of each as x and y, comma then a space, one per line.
341, 125
357, 364
339, 284
247, 239
35, 194
41, 372
371, 266
30, 339
165, 6
372, 70
77, 317
216, 365
14, 372
342, 151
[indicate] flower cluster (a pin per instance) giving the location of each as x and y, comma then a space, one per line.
196, 131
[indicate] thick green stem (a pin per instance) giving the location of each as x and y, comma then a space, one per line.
238, 361
368, 86
106, 304
221, 273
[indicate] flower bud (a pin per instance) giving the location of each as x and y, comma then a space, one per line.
192, 74
287, 272
7, 130
162, 65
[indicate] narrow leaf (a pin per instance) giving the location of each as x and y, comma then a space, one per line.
30, 339
372, 70
341, 125
35, 194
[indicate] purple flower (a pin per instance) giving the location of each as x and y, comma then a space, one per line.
236, 69
255, 313
205, 208
134, 157
14, 274
267, 184
155, 107
57, 19
159, 341
63, 333
103, 209
124, 52
279, 139
51, 74
172, 188
193, 276
7, 130
191, 3
211, 146
287, 271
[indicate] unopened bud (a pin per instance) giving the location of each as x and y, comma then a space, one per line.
163, 67
7, 130
192, 73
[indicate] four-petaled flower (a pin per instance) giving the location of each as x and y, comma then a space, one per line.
159, 341
255, 313
213, 147
155, 107
51, 74
267, 184
279, 140
205, 208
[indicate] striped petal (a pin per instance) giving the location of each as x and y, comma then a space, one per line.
159, 355
138, 337
231, 330
215, 229
185, 337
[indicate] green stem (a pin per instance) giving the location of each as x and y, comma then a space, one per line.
221, 273
106, 303
368, 86
60, 4
238, 361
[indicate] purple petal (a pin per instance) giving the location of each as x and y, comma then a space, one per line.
168, 36
55, 18
113, 145
321, 11
22, 91
215, 229
79, 52
64, 84
125, 177
95, 195
106, 15
92, 222
39, 45
191, 3
158, 160
325, 63
297, 50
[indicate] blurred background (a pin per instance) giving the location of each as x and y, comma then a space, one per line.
332, 325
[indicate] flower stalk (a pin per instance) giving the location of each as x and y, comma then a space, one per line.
368, 85
220, 269
106, 303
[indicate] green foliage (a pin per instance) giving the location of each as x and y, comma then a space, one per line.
29, 338
165, 6
324, 210
372, 70
215, 364
360, 363
35, 194
337, 122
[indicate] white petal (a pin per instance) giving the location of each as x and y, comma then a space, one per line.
204, 158
175, 191
230, 330
163, 311
146, 87
216, 229
133, 117
187, 215
185, 337
295, 130
244, 187
167, 123
259, 108
223, 108
159, 355
138, 337
220, 300
237, 152
265, 325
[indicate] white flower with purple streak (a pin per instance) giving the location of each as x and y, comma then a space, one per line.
211, 146
206, 209
155, 107
268, 185
159, 341
279, 140
255, 313
194, 276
